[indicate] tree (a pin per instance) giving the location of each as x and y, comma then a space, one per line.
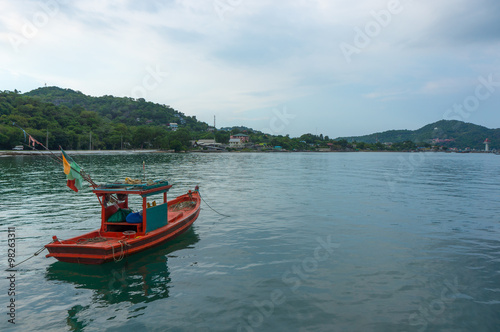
176, 145
183, 136
361, 145
222, 137
89, 119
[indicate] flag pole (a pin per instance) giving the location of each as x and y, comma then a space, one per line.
54, 157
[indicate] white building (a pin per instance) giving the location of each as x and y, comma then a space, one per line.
235, 142
487, 145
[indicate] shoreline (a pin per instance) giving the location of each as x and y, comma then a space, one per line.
4, 153
74, 152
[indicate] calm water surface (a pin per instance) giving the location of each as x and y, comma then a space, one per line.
313, 242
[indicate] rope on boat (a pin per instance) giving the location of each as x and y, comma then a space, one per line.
35, 254
96, 239
182, 206
122, 253
224, 215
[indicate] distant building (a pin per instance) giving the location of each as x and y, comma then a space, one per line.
242, 137
207, 144
205, 141
487, 145
235, 142
173, 126
439, 140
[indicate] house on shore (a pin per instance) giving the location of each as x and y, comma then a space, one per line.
242, 137
235, 143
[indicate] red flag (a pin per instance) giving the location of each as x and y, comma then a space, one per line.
71, 184
34, 141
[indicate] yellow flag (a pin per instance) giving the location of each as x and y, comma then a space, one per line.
67, 166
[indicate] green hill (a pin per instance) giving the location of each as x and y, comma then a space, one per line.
117, 109
68, 118
449, 133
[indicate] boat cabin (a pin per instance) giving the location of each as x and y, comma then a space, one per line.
117, 217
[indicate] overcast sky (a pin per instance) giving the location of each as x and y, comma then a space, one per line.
338, 67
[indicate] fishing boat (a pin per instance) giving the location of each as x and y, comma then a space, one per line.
124, 232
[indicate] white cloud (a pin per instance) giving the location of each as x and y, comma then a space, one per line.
257, 55
444, 86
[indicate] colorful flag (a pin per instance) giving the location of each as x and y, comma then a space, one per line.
72, 171
33, 141
67, 166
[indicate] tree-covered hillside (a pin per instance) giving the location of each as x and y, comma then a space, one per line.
73, 120
124, 110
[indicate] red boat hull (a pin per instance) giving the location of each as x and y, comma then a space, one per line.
114, 246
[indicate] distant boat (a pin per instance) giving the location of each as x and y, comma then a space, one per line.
123, 232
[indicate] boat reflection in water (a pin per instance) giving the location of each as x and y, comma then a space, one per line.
140, 278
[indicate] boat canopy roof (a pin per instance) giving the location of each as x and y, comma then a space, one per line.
131, 187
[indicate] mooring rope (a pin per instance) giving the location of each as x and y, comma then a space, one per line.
224, 215
35, 254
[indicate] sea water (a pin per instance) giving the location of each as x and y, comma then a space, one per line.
310, 242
